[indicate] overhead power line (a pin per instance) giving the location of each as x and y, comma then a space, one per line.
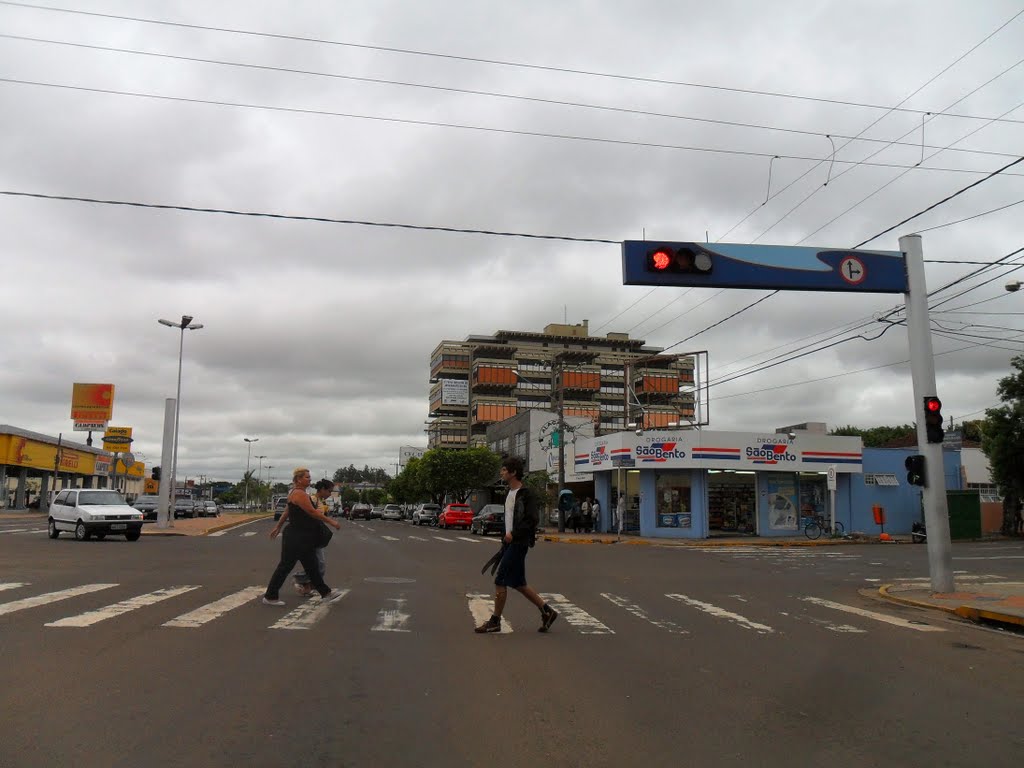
491, 94
464, 126
495, 62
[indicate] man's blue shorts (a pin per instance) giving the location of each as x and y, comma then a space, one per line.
512, 567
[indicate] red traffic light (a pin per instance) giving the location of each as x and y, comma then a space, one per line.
932, 404
661, 259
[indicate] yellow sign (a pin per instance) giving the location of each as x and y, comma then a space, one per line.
25, 452
117, 439
151, 486
92, 402
138, 469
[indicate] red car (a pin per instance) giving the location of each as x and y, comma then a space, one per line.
455, 515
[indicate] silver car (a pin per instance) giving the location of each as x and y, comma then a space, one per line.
392, 512
426, 514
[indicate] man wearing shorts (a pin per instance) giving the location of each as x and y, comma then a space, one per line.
522, 514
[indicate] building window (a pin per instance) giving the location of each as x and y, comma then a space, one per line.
673, 500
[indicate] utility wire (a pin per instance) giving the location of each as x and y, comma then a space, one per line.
970, 218
500, 62
464, 126
490, 94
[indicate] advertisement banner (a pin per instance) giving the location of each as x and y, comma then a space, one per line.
92, 402
455, 392
89, 425
24, 452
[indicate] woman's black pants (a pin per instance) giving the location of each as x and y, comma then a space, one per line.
297, 546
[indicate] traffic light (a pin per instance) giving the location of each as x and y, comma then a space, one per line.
933, 419
685, 259
155, 473
915, 470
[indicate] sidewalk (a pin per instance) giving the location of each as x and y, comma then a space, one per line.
552, 534
1001, 602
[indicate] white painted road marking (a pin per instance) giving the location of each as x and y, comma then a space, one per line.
442, 538
250, 533
13, 585
418, 538
845, 628
721, 613
51, 597
467, 538
640, 613
100, 614
482, 606
390, 538
308, 615
993, 557
897, 622
213, 610
15, 530
392, 619
232, 528
573, 614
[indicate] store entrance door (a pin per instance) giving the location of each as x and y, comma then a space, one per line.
732, 503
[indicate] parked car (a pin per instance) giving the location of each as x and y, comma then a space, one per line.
392, 512
361, 511
209, 509
92, 512
376, 513
147, 505
455, 515
425, 514
184, 507
489, 519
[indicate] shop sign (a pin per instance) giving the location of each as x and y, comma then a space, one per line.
770, 453
92, 402
659, 452
89, 425
117, 439
103, 465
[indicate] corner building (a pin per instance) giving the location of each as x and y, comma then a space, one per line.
487, 379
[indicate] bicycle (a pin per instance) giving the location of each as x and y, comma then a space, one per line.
819, 525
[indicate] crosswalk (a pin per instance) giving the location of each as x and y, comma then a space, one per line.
776, 553
605, 613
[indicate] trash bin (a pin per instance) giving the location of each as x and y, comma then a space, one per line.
879, 513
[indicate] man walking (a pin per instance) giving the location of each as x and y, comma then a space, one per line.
522, 514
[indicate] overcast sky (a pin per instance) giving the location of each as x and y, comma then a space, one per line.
318, 336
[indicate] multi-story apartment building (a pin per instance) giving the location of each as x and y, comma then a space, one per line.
487, 379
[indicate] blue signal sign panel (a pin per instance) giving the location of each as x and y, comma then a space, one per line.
781, 267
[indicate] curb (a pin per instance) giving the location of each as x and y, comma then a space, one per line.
976, 615
705, 543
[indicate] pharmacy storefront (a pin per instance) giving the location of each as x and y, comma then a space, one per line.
698, 484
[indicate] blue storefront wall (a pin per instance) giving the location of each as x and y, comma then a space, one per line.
902, 503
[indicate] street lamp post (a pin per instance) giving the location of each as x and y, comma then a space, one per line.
259, 482
248, 456
186, 324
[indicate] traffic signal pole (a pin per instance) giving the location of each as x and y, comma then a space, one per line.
922, 370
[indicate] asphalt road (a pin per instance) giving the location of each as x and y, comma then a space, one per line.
662, 656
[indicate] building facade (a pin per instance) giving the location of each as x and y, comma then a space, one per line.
484, 380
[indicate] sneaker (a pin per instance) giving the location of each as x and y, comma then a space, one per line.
547, 618
493, 624
304, 590
267, 601
332, 595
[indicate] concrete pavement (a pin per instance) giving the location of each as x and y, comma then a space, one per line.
996, 602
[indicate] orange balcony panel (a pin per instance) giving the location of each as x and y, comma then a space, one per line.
486, 412
581, 380
491, 374
664, 384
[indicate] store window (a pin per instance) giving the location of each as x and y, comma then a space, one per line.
781, 497
673, 500
813, 495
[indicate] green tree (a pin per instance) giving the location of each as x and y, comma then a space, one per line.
878, 437
1003, 441
540, 484
447, 472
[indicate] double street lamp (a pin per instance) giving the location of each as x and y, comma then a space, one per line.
186, 324
248, 456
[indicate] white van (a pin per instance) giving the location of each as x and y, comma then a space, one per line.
92, 512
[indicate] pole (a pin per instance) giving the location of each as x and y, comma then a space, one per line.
922, 369
166, 503
247, 457
561, 442
177, 414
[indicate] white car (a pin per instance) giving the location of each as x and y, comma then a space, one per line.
392, 512
89, 512
426, 514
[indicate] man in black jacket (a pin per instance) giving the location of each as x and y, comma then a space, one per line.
522, 514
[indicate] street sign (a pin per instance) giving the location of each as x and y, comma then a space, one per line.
117, 439
780, 267
831, 477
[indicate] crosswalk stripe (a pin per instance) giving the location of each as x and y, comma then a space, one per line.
576, 616
442, 538
640, 613
895, 621
51, 597
213, 610
100, 614
467, 538
13, 585
390, 538
481, 606
418, 538
722, 613
217, 533
841, 628
392, 619
250, 533
29, 533
307, 615
15, 530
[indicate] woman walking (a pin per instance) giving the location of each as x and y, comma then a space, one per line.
299, 541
